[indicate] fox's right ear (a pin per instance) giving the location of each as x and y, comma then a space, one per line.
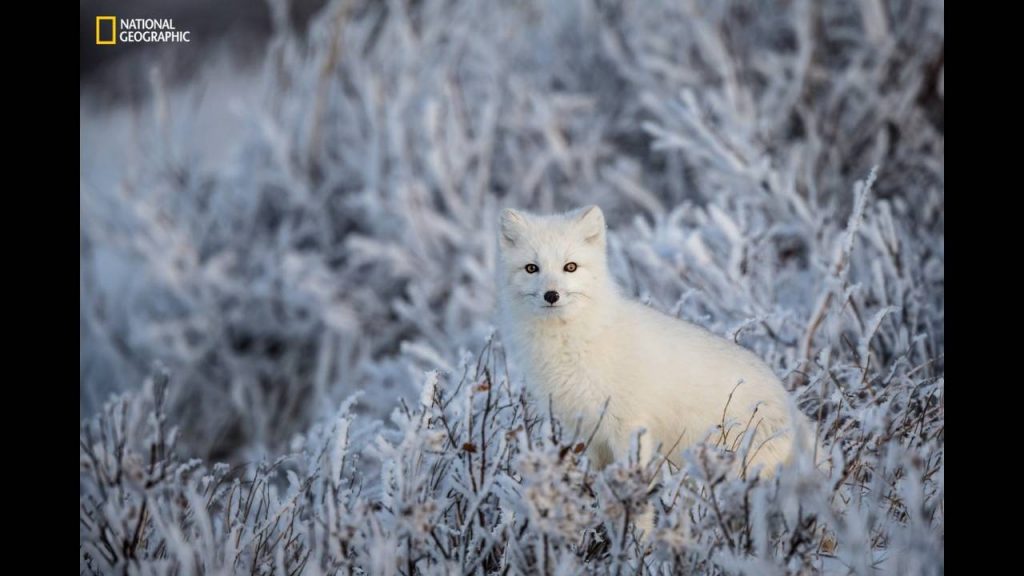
591, 220
512, 225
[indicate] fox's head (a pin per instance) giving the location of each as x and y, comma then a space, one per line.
553, 266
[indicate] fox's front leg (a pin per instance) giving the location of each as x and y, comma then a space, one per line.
600, 454
640, 456
623, 449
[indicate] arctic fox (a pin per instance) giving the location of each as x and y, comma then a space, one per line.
581, 343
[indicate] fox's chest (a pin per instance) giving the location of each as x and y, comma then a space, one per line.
578, 377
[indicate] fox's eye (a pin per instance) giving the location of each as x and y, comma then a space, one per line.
570, 267
531, 268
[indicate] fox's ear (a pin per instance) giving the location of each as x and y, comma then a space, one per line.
512, 225
591, 222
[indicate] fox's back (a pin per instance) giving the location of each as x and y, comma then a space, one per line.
686, 351
683, 375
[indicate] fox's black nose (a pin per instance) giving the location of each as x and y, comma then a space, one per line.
551, 296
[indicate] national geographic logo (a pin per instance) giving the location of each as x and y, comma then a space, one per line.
112, 30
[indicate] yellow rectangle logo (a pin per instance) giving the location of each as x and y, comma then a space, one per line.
113, 29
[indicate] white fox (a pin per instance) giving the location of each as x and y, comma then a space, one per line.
580, 343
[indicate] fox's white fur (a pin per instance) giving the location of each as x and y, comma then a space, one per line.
659, 373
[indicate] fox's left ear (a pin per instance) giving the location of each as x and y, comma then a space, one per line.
512, 225
590, 221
